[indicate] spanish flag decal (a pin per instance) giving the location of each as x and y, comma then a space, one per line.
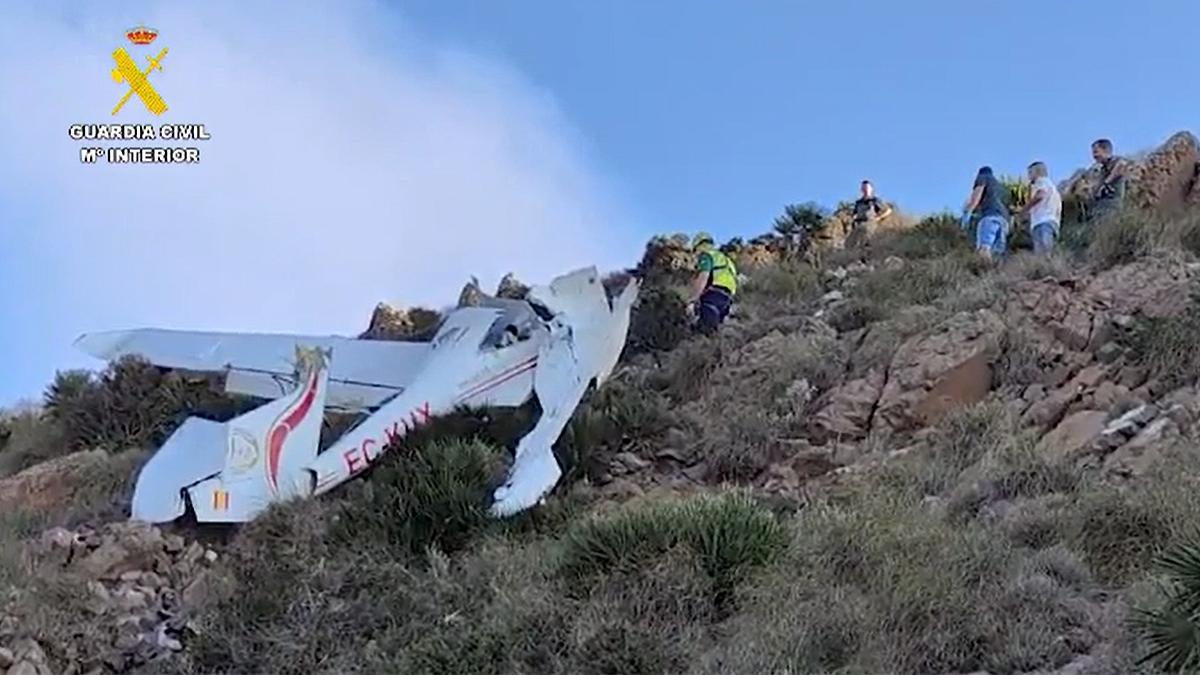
220, 500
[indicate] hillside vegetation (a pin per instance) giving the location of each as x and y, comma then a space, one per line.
893, 458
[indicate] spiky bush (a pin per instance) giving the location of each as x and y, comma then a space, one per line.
1017, 191
730, 533
797, 225
1170, 632
434, 494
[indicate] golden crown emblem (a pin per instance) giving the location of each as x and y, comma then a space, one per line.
141, 35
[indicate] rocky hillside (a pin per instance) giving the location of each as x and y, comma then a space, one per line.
891, 459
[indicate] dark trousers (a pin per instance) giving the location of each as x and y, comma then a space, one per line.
712, 308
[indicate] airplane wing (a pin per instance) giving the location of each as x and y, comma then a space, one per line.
362, 373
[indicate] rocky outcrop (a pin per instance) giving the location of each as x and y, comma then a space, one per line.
837, 229
1167, 175
49, 485
135, 585
667, 260
846, 411
511, 287
923, 361
1164, 179
389, 323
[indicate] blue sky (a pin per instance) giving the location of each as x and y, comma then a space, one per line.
717, 114
367, 151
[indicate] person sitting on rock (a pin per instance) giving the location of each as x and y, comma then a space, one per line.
714, 285
869, 210
1109, 193
1044, 209
987, 197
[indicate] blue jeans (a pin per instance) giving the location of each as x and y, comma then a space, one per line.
1044, 235
992, 233
713, 308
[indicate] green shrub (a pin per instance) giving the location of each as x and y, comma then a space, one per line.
434, 494
729, 532
1170, 632
882, 293
658, 321
291, 600
1118, 534
132, 404
784, 285
884, 584
932, 237
620, 416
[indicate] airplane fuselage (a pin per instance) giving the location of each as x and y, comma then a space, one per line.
502, 377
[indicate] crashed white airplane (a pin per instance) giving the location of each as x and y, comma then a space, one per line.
555, 344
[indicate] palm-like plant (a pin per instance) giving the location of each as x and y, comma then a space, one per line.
1171, 632
1017, 191
797, 225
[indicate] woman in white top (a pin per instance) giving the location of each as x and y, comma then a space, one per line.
1044, 209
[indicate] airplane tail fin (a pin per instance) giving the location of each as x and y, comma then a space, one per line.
232, 471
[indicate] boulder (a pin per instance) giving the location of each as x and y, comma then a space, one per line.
1133, 458
1073, 434
967, 383
1164, 179
847, 409
390, 323
1167, 175
511, 287
924, 360
49, 485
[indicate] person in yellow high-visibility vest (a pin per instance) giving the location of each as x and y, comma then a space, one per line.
715, 284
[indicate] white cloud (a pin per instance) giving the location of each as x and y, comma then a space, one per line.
351, 161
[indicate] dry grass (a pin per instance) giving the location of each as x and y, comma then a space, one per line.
1166, 346
1132, 234
28, 437
881, 294
887, 585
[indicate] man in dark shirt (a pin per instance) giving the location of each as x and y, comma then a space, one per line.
868, 211
987, 198
1109, 193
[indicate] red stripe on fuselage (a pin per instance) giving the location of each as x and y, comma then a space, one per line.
280, 430
498, 378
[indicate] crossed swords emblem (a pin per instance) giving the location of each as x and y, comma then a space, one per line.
127, 71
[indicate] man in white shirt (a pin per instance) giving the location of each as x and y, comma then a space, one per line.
1044, 209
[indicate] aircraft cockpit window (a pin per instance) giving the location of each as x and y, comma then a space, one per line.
541, 310
506, 332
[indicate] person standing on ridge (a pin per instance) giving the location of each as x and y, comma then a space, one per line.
714, 285
1109, 194
987, 196
868, 211
1044, 209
